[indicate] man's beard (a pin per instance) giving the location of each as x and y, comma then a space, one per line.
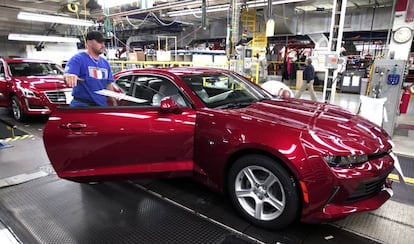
100, 51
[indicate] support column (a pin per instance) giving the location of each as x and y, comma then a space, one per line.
335, 43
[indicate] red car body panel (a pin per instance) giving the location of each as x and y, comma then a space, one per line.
201, 142
47, 91
163, 142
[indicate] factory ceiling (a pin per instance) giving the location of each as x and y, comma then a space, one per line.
142, 14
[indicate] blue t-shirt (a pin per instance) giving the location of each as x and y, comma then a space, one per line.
96, 75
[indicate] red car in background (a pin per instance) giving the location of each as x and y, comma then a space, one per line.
32, 87
279, 159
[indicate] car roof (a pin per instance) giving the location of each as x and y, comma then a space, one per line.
26, 60
178, 71
194, 70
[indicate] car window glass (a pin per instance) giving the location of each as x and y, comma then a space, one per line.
219, 89
2, 75
124, 83
168, 89
148, 90
34, 69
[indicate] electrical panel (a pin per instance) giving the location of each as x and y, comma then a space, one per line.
386, 82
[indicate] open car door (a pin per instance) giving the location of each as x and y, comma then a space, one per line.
112, 143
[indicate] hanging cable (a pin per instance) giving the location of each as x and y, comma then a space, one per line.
143, 21
151, 14
123, 43
161, 22
197, 16
72, 7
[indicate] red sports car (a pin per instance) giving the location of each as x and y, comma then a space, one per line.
32, 87
278, 159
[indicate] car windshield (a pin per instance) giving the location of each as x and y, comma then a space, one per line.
224, 90
34, 69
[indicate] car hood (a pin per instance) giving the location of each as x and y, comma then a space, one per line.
42, 82
329, 126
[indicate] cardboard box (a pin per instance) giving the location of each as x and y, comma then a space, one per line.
151, 58
140, 56
188, 58
136, 56
132, 56
299, 79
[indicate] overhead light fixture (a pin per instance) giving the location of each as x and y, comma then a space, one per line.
53, 19
158, 7
112, 3
225, 7
270, 24
270, 27
39, 38
256, 4
212, 9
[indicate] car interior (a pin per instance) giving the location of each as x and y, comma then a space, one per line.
152, 89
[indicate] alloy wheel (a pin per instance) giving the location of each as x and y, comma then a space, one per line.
260, 193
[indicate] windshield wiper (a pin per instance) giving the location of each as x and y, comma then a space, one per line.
263, 99
234, 105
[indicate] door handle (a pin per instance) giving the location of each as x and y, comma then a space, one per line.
73, 126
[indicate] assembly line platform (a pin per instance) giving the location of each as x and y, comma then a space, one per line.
52, 210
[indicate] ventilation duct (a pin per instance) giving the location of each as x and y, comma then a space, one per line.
285, 21
320, 40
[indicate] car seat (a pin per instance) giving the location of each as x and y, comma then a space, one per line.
198, 88
167, 89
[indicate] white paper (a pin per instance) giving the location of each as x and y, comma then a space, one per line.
120, 96
355, 80
346, 81
68, 96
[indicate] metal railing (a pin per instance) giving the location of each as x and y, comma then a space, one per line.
234, 65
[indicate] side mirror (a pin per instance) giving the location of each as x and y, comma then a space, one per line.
169, 105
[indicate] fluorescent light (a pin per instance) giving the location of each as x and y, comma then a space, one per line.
111, 3
39, 38
53, 19
225, 7
255, 4
212, 9
270, 27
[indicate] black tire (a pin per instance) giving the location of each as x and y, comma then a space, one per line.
17, 110
274, 189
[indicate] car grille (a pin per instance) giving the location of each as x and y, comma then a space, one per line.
31, 106
366, 190
56, 97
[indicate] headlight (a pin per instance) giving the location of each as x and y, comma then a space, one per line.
340, 161
28, 93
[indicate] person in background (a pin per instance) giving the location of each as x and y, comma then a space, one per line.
308, 79
87, 73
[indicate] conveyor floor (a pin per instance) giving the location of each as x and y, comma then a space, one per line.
52, 210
